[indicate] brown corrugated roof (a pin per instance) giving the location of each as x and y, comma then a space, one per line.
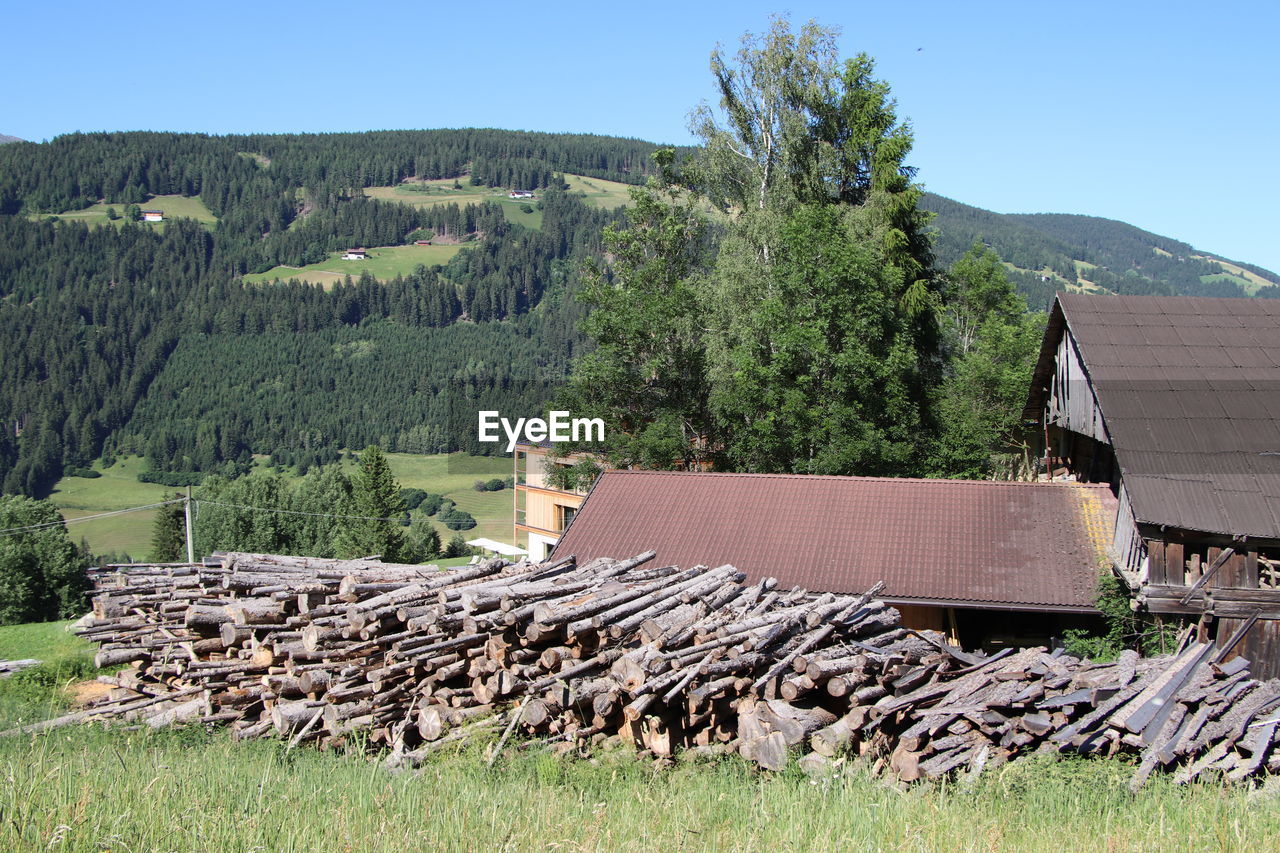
1197, 435
969, 543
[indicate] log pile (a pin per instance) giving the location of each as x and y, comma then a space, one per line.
412, 658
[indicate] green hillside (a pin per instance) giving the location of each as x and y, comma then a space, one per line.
1047, 252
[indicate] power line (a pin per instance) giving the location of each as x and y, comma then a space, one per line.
295, 511
61, 522
197, 502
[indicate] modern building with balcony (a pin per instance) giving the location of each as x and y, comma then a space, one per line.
542, 510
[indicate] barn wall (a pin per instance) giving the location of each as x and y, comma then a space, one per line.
1126, 547
1072, 405
1260, 646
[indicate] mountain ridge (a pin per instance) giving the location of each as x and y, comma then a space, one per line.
1046, 252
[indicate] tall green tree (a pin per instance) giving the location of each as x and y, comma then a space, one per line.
992, 343
377, 505
169, 533
822, 374
823, 342
804, 336
42, 574
647, 374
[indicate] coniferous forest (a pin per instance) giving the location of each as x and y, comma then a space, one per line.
130, 339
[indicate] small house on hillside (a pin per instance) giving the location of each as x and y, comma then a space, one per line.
153, 216
1174, 403
355, 255
520, 194
987, 562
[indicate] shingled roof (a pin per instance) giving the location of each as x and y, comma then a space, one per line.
1017, 546
1189, 390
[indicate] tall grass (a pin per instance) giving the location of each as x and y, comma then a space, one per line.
88, 789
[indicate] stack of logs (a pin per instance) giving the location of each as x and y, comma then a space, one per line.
411, 658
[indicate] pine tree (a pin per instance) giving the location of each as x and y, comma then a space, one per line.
376, 501
169, 533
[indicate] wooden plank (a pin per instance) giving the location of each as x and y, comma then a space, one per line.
1260, 597
1175, 564
1226, 646
1262, 646
1249, 569
1231, 575
1156, 562
1243, 610
1158, 605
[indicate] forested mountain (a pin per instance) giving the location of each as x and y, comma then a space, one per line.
1049, 252
110, 333
121, 336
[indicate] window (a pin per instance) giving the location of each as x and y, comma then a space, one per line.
564, 515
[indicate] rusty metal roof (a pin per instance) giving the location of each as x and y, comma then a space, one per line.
1189, 390
966, 543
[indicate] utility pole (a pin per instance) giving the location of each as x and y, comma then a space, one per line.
191, 547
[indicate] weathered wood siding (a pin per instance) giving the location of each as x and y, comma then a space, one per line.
1260, 644
1126, 546
1072, 403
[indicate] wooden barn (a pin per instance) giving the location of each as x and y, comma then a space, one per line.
1174, 403
989, 563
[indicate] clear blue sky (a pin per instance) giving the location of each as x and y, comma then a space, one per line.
1163, 115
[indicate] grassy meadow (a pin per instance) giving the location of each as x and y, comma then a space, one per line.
89, 789
48, 689
1248, 280
437, 192
117, 488
174, 207
384, 263
595, 191
452, 475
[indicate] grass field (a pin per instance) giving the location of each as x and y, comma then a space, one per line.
86, 789
117, 488
42, 691
454, 476
384, 263
599, 192
41, 640
595, 191
1252, 282
174, 207
433, 193
451, 475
